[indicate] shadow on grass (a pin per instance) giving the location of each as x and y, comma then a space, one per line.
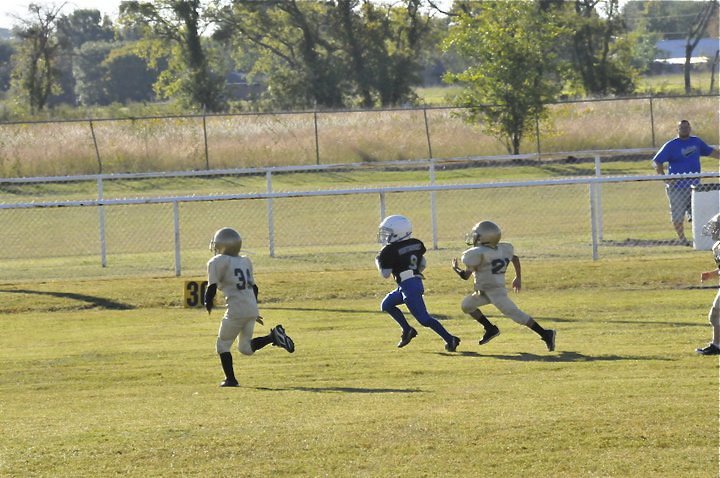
635, 242
91, 300
342, 389
318, 309
561, 357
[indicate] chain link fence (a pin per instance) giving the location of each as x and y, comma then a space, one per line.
250, 140
583, 206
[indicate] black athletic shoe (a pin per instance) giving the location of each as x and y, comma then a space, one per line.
281, 339
453, 345
490, 333
549, 339
711, 349
407, 336
229, 383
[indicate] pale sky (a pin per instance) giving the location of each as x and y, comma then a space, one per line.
19, 8
8, 8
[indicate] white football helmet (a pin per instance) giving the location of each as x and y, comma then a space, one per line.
485, 233
394, 229
226, 241
712, 228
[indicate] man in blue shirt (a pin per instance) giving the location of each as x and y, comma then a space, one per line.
683, 156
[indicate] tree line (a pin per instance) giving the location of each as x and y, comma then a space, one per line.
510, 58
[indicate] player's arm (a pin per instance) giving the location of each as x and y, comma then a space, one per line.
209, 298
463, 273
383, 272
517, 281
709, 275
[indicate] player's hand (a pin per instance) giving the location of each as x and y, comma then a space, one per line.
516, 285
259, 320
455, 263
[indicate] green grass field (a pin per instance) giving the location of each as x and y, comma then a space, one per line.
113, 377
104, 373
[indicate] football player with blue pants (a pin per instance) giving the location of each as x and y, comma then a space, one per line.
403, 257
233, 275
487, 260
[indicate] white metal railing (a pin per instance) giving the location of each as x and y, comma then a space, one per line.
594, 185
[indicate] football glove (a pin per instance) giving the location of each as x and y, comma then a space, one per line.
259, 320
209, 298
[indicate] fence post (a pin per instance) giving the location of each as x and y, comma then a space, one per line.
537, 135
652, 122
207, 156
176, 224
317, 142
271, 225
97, 151
382, 206
598, 198
101, 219
427, 133
593, 221
433, 209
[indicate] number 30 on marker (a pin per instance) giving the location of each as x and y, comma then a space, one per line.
194, 292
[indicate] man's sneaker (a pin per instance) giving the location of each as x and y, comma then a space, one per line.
549, 339
711, 349
407, 336
490, 333
229, 383
453, 344
281, 339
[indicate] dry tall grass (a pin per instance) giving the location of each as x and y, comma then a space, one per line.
239, 141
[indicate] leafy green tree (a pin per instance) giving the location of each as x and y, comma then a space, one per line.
329, 54
695, 34
129, 77
603, 63
35, 63
7, 49
670, 19
90, 73
172, 28
513, 68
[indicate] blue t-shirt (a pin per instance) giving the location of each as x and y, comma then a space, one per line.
683, 156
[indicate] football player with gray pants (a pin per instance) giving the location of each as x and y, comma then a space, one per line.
712, 229
232, 273
487, 260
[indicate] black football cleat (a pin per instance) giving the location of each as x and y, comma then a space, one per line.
490, 333
453, 345
711, 349
549, 339
281, 339
229, 383
407, 336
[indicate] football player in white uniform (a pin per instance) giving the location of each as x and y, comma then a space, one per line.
487, 260
403, 257
712, 229
232, 273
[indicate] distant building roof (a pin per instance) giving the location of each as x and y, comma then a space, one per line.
669, 49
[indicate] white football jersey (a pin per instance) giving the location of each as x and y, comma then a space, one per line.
234, 277
489, 264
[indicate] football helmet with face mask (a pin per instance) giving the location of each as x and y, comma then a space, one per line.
394, 229
712, 228
485, 233
226, 241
